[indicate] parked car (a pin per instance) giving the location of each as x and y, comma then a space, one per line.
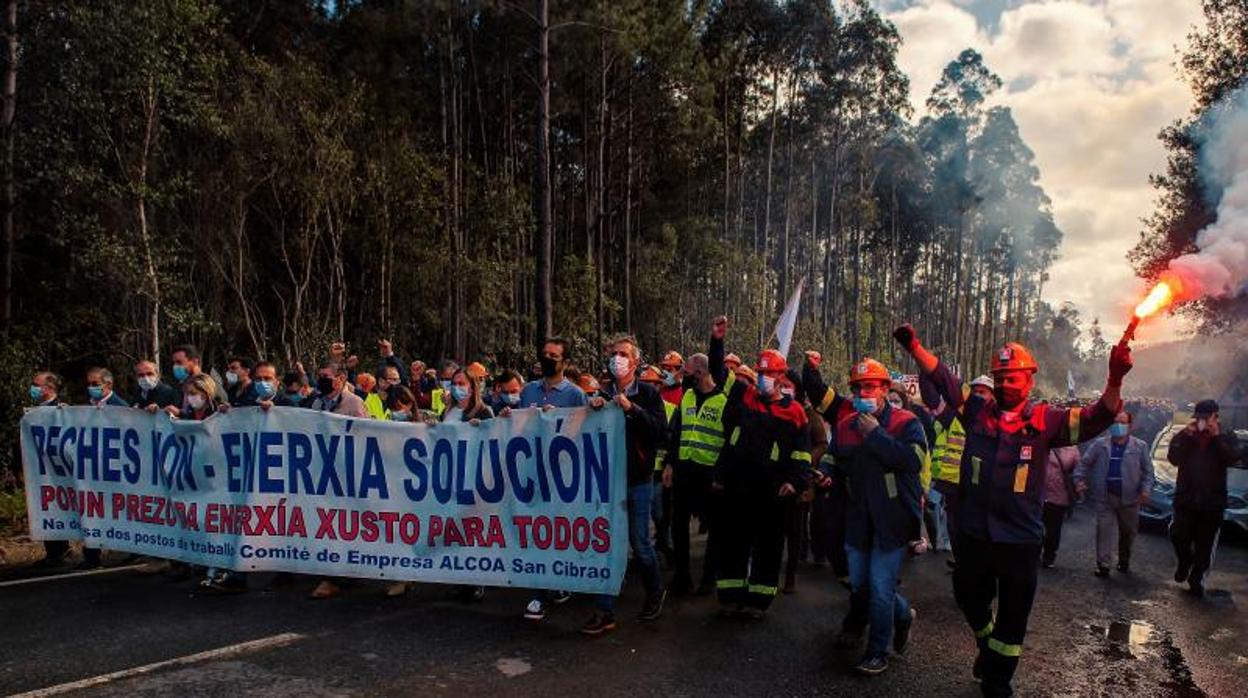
1160, 508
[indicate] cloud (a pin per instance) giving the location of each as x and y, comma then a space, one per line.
1090, 83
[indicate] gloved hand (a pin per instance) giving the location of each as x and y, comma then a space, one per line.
1120, 363
719, 327
906, 336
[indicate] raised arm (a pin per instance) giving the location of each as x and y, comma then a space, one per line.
936, 381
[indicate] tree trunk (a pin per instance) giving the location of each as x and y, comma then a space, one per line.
7, 123
542, 292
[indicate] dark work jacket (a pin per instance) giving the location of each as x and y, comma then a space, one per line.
644, 428
767, 442
163, 395
880, 475
1002, 479
1202, 461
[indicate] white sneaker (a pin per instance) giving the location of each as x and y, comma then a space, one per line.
536, 610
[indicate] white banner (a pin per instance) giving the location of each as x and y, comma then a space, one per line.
534, 500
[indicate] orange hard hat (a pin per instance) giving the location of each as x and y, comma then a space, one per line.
650, 374
747, 373
587, 383
476, 371
771, 360
732, 361
1013, 357
672, 359
869, 369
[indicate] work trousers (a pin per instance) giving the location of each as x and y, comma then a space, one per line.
751, 539
692, 496
661, 512
1194, 534
1116, 526
1054, 516
827, 530
797, 542
1007, 573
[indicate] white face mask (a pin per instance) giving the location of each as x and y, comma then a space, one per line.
620, 366
148, 382
195, 401
766, 384
231, 377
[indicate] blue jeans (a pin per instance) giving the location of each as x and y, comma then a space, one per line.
639, 500
873, 576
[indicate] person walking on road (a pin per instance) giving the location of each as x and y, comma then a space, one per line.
1057, 499
1202, 453
1117, 473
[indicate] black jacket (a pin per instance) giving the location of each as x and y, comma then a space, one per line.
162, 396
1202, 461
644, 428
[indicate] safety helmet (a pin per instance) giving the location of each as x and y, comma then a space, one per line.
1013, 357
747, 373
869, 370
650, 374
771, 360
732, 361
985, 381
672, 360
476, 371
587, 383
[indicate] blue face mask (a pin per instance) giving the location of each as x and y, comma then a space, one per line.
1119, 430
400, 416
95, 392
864, 405
180, 373
265, 389
459, 392
446, 385
295, 398
511, 399
36, 393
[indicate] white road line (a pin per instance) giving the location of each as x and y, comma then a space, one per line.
71, 575
209, 655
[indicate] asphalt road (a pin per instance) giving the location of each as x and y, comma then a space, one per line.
1136, 635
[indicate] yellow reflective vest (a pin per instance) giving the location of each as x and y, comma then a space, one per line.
702, 428
660, 453
437, 402
947, 455
375, 408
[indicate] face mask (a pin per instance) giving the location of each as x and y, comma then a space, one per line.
195, 401
264, 389
459, 392
231, 377
1008, 398
787, 392
36, 393
669, 378
549, 367
1119, 430
95, 392
295, 398
511, 399
181, 372
400, 416
620, 366
325, 385
148, 382
766, 385
896, 404
689, 382
864, 405
446, 385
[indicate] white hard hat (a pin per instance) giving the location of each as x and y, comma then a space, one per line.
985, 381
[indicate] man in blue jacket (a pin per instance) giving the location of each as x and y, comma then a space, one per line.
877, 453
1117, 473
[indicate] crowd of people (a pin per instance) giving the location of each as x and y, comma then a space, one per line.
769, 458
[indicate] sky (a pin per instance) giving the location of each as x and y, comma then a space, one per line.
1091, 83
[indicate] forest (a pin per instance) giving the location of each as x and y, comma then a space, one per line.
466, 177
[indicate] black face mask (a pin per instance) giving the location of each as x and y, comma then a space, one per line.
689, 382
325, 385
549, 367
1008, 399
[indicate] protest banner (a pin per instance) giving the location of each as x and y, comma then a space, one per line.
534, 500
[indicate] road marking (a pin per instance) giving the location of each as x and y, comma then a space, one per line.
71, 575
219, 653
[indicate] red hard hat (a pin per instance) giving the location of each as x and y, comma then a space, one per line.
772, 360
869, 370
672, 359
650, 374
1013, 357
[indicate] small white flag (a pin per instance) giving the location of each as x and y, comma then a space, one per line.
788, 319
1070, 383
